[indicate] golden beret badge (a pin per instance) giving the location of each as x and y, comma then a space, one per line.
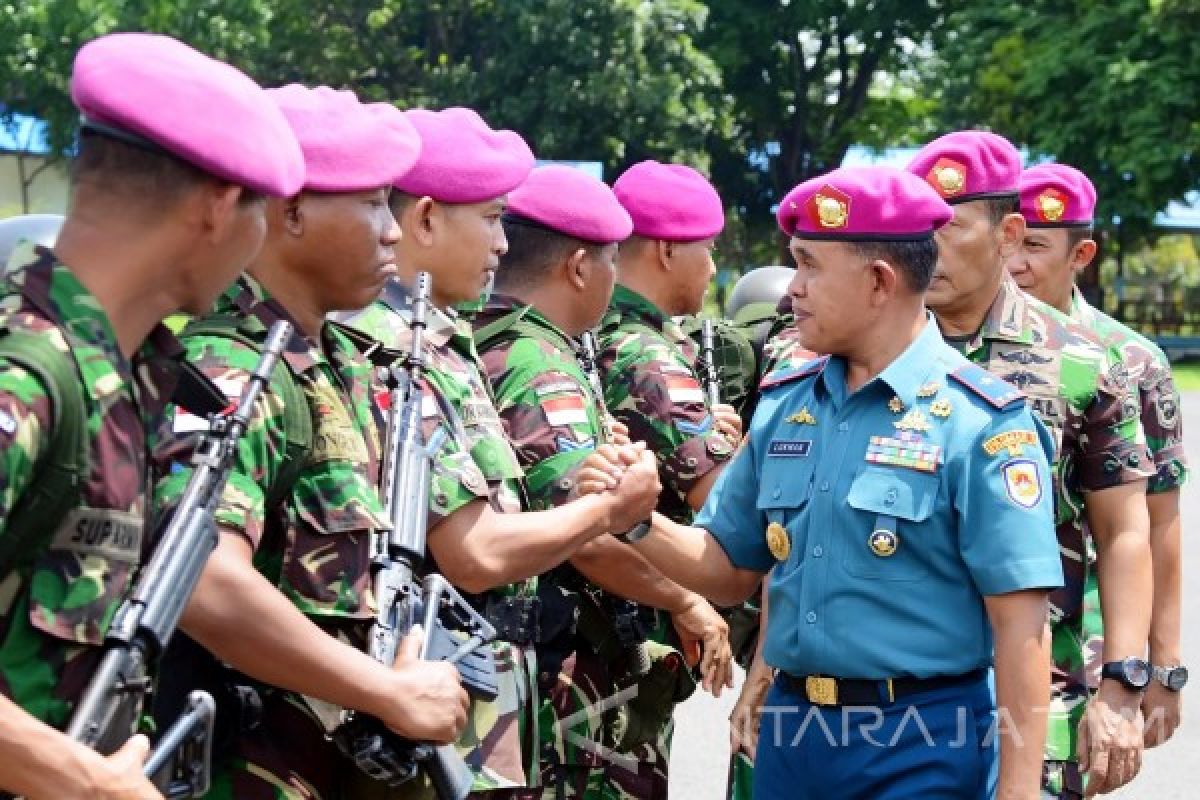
829, 208
1051, 205
948, 177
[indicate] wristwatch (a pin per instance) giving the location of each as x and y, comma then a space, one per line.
634, 534
1174, 678
1133, 673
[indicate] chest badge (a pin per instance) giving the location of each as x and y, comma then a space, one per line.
778, 542
884, 543
941, 408
896, 405
914, 420
929, 390
802, 417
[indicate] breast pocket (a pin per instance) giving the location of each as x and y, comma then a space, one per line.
784, 496
886, 544
327, 560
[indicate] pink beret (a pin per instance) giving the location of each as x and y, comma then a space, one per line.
969, 165
863, 204
1057, 196
463, 160
670, 201
570, 201
348, 146
159, 94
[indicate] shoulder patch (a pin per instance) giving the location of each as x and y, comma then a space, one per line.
998, 393
788, 375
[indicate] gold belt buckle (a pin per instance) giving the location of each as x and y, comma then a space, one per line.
821, 691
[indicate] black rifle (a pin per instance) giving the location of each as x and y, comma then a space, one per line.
627, 617
708, 364
398, 555
112, 702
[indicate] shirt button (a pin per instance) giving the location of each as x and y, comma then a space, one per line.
818, 551
890, 499
824, 486
811, 617
775, 494
843, 427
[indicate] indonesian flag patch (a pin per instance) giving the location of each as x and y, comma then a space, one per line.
565, 410
684, 389
187, 422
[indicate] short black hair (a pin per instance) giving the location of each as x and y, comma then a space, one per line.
915, 259
532, 251
1077, 235
398, 201
1000, 207
152, 178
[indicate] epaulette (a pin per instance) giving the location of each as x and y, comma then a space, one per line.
773, 379
998, 393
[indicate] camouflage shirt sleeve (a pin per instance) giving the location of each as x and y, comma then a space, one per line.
260, 450
1112, 443
25, 418
662, 404
552, 423
1162, 419
455, 478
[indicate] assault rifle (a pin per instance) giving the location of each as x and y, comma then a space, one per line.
708, 364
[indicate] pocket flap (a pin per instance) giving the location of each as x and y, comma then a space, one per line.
897, 492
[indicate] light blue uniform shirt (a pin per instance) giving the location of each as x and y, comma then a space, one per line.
905, 503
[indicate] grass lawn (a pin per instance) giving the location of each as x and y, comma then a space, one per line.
1187, 375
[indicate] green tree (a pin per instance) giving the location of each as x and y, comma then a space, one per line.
808, 79
1106, 87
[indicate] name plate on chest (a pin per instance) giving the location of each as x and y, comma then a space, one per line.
793, 448
103, 532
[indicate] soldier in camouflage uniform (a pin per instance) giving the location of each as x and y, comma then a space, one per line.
81, 334
553, 284
1058, 203
285, 597
449, 207
1081, 392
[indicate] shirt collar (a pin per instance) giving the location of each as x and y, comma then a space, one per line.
1081, 309
905, 376
1007, 319
502, 304
630, 302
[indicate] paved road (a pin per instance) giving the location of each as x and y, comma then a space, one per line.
701, 750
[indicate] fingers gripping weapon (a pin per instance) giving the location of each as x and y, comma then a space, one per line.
708, 364
399, 554
109, 709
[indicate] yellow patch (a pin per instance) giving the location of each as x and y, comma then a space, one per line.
1012, 441
778, 542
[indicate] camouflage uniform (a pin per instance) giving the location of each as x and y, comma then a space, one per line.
783, 350
1080, 391
311, 539
1150, 372
58, 602
733, 356
476, 462
647, 365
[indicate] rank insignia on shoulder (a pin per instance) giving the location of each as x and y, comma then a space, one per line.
884, 543
929, 390
1022, 482
941, 408
802, 417
896, 405
914, 420
778, 542
995, 392
1012, 441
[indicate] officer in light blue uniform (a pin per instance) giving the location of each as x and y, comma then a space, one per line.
902, 496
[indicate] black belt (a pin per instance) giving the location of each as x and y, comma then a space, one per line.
821, 690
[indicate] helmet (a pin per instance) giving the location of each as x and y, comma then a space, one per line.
755, 298
19, 235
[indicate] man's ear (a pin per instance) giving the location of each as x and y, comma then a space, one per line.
218, 208
1083, 255
885, 281
293, 215
666, 253
1012, 233
421, 220
578, 269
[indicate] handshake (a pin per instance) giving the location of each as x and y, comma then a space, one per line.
625, 475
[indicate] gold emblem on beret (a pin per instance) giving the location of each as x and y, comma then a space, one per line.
914, 420
883, 543
1051, 205
829, 208
895, 405
941, 408
948, 176
778, 542
802, 417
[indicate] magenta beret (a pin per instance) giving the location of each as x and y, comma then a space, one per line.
670, 201
863, 204
348, 146
1057, 196
969, 165
159, 94
570, 201
462, 159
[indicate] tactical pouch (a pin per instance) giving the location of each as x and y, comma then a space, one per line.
666, 683
516, 619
